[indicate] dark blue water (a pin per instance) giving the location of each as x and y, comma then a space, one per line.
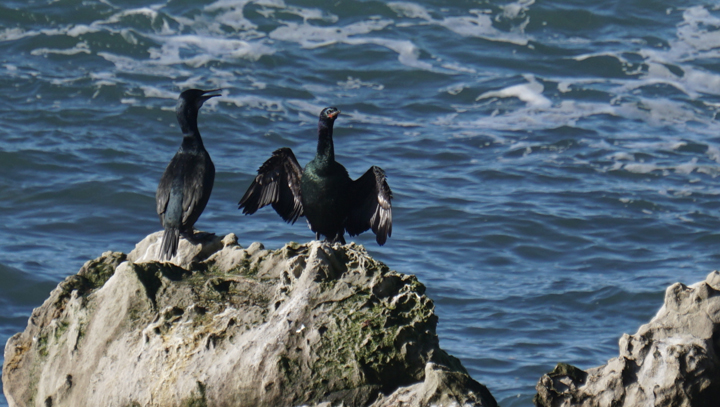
554, 163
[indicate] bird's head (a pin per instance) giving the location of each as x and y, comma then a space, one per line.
329, 114
188, 105
194, 98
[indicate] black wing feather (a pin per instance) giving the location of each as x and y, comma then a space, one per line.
371, 206
198, 185
162, 195
277, 184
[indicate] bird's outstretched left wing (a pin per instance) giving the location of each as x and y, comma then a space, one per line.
371, 206
277, 184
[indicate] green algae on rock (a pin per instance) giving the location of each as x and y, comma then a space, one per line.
307, 324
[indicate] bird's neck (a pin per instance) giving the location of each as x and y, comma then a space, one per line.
192, 141
191, 134
325, 148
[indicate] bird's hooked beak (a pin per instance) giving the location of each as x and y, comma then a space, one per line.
334, 114
205, 95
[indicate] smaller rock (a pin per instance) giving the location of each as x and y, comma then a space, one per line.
670, 361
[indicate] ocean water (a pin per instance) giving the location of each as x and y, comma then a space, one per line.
554, 163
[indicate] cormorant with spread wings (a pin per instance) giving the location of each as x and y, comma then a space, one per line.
323, 192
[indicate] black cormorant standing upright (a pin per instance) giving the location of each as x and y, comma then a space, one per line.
186, 185
323, 192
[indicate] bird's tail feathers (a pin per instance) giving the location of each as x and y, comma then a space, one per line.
170, 240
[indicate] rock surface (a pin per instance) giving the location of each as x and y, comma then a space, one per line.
673, 360
306, 324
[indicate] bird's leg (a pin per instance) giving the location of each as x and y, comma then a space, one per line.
317, 235
197, 236
338, 238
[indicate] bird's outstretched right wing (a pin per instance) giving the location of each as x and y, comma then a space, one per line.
277, 184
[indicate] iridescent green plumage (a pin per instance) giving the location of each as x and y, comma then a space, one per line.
323, 192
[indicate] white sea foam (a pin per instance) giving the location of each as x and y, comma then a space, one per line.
359, 117
81, 29
584, 57
702, 82
13, 34
668, 145
695, 32
271, 3
516, 9
698, 37
410, 10
657, 111
308, 112
453, 66
149, 12
205, 47
354, 83
566, 113
232, 13
155, 92
565, 86
212, 49
103, 79
130, 65
408, 53
641, 168
621, 156
96, 26
530, 93
454, 89
627, 162
228, 4
477, 24
257, 102
311, 14
714, 153
688, 167
311, 36
79, 48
